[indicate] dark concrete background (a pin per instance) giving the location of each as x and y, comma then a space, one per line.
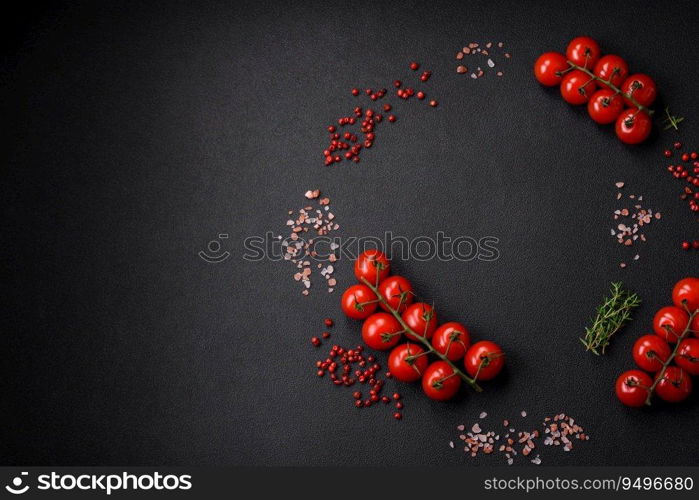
136, 132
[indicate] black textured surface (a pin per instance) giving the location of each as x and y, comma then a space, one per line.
136, 133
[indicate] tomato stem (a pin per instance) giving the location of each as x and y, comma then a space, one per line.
672, 356
423, 339
609, 84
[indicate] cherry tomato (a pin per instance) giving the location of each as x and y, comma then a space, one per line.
421, 319
451, 339
686, 289
641, 87
380, 331
633, 126
370, 264
398, 292
675, 386
354, 302
583, 51
632, 387
670, 322
612, 68
687, 356
695, 325
650, 352
604, 106
440, 382
576, 87
411, 370
548, 68
484, 360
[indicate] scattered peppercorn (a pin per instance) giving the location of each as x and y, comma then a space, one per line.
341, 365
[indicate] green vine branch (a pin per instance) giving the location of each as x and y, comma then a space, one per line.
423, 339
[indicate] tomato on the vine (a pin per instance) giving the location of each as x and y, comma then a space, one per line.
549, 68
358, 302
650, 352
675, 386
372, 264
484, 360
583, 51
407, 370
632, 387
612, 69
440, 382
670, 322
577, 87
688, 356
421, 319
397, 292
451, 339
641, 87
604, 106
633, 126
381, 331
686, 289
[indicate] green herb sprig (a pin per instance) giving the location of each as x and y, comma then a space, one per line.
671, 121
614, 312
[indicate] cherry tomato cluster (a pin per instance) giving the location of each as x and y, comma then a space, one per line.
653, 353
401, 316
604, 84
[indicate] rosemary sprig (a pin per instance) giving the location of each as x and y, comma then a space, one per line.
671, 121
614, 312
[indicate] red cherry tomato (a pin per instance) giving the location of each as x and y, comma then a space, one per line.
354, 302
650, 352
451, 339
604, 106
695, 325
440, 382
675, 386
633, 126
421, 319
398, 292
641, 87
576, 87
687, 356
583, 51
410, 370
612, 68
548, 68
632, 388
484, 360
686, 289
370, 264
670, 322
380, 331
